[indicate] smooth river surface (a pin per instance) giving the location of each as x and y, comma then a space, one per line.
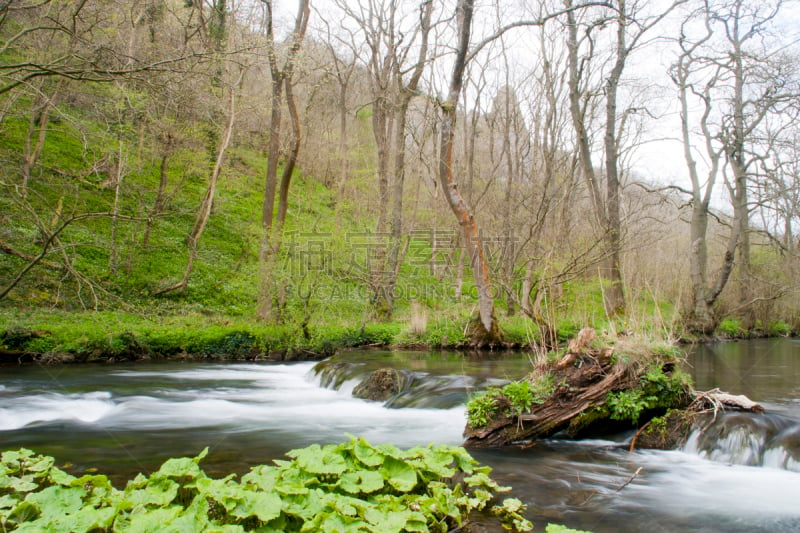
123, 419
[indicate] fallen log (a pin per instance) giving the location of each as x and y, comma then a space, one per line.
716, 400
592, 388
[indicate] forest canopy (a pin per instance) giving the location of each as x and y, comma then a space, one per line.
378, 160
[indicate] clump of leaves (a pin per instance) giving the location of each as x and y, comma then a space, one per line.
511, 513
779, 329
518, 397
658, 390
17, 338
481, 408
731, 328
352, 486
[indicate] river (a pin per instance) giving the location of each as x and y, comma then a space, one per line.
741, 475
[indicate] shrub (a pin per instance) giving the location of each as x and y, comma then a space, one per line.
779, 329
17, 338
731, 328
517, 396
482, 408
657, 391
234, 345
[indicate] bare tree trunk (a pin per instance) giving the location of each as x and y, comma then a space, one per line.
527, 287
578, 114
268, 306
698, 261
703, 299
271, 180
158, 203
614, 295
291, 158
39, 118
487, 329
344, 166
113, 258
736, 156
459, 285
204, 213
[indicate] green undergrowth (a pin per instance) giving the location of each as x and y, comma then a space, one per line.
350, 487
59, 335
657, 390
735, 329
513, 399
103, 335
90, 335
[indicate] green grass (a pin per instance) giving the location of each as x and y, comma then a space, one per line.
323, 263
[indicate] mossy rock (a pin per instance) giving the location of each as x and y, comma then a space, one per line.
668, 432
381, 385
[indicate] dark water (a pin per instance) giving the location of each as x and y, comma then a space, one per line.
766, 370
125, 419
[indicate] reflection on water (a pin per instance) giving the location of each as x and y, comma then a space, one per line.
129, 418
765, 370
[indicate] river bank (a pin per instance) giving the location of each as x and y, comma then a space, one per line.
91, 337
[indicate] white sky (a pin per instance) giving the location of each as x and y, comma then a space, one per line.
660, 156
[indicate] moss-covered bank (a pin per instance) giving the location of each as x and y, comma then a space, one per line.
67, 337
108, 336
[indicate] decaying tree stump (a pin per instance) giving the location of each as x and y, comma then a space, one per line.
597, 387
582, 379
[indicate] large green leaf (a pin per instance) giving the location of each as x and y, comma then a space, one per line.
295, 481
7, 501
263, 477
263, 505
25, 483
23, 512
193, 518
318, 460
84, 520
365, 481
434, 460
304, 506
399, 474
226, 494
158, 492
98, 489
59, 477
57, 501
391, 450
344, 505
334, 523
182, 467
147, 521
389, 521
366, 453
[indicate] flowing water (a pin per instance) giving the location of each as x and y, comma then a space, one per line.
741, 474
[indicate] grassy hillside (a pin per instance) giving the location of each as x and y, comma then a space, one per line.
94, 291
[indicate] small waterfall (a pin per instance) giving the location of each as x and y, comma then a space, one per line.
749, 439
418, 389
